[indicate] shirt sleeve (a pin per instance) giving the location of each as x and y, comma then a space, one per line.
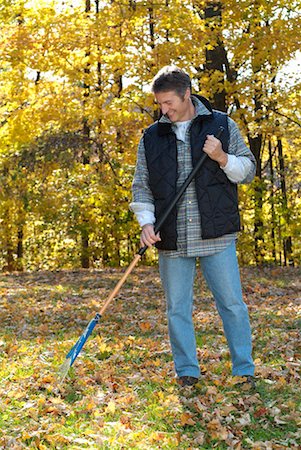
143, 200
144, 212
241, 165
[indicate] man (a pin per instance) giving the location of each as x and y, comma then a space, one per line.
205, 222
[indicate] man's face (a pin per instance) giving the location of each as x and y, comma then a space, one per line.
176, 108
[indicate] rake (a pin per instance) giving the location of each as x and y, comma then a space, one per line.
75, 350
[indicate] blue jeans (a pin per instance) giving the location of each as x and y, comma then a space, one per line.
221, 273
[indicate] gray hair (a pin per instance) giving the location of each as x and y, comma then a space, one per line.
171, 78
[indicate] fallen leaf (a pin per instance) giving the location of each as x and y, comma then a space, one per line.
145, 326
211, 390
186, 419
111, 408
260, 412
199, 438
216, 430
244, 420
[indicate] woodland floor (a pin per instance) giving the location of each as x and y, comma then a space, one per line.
121, 392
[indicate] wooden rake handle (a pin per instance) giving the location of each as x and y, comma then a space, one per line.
120, 283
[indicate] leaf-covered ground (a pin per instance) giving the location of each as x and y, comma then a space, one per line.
121, 392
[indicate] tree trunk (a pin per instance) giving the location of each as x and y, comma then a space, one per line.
118, 87
287, 240
98, 89
255, 144
10, 266
20, 249
85, 260
8, 244
105, 249
152, 68
85, 257
151, 26
272, 203
215, 57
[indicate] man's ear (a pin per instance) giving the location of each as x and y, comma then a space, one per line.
187, 94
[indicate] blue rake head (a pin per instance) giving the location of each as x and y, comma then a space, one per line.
75, 350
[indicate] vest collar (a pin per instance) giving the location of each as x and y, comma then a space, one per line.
203, 112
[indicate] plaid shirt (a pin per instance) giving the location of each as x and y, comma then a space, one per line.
189, 242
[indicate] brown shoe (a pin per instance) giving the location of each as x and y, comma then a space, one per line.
187, 381
248, 382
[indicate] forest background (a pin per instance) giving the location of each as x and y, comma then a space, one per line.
75, 99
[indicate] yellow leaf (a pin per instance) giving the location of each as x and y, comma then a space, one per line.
47, 379
157, 437
111, 408
157, 362
15, 395
25, 436
281, 382
33, 413
90, 405
41, 446
41, 401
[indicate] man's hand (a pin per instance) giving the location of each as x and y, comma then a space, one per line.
148, 236
213, 148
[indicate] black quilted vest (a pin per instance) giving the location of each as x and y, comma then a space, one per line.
217, 196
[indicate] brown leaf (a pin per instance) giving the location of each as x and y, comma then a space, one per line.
126, 421
186, 419
212, 390
199, 438
216, 430
145, 326
226, 410
260, 412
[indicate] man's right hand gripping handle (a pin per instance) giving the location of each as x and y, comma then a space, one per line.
148, 236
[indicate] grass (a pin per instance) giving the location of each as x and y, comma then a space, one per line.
121, 392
